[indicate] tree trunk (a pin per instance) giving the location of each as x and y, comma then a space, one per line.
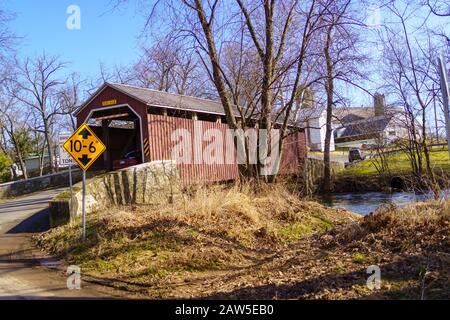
434, 184
22, 165
266, 93
218, 80
49, 146
329, 86
326, 154
42, 159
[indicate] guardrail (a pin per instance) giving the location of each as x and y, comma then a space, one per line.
21, 187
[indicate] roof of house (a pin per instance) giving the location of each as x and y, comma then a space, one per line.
361, 127
350, 113
305, 114
340, 115
157, 98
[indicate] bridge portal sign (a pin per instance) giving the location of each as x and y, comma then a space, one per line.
84, 146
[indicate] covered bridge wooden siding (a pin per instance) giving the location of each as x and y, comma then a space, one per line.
156, 115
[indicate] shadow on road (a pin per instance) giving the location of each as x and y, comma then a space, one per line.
39, 222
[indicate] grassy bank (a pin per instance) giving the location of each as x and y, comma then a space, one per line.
237, 243
399, 163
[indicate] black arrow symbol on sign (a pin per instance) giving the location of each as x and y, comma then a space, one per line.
84, 133
84, 159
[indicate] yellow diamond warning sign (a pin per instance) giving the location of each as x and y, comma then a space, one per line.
84, 146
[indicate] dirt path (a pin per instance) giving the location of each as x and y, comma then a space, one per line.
26, 273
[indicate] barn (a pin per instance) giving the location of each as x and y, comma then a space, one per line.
151, 124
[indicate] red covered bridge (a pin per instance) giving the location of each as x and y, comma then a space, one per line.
129, 118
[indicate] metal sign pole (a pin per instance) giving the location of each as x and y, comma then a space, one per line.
84, 147
83, 207
72, 216
445, 94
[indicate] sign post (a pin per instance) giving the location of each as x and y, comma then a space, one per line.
84, 147
83, 207
65, 160
72, 214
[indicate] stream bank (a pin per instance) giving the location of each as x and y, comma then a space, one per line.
343, 183
365, 203
363, 194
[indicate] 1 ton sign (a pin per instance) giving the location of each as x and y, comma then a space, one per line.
65, 160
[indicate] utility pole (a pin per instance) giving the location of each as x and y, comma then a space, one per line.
445, 95
436, 128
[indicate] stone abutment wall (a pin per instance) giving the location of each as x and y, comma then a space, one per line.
147, 183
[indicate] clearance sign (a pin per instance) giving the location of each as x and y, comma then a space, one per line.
84, 146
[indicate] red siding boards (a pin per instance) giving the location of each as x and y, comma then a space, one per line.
293, 151
198, 167
201, 167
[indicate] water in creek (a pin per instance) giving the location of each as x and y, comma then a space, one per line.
367, 202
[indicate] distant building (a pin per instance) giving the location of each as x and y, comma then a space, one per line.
32, 165
356, 127
314, 122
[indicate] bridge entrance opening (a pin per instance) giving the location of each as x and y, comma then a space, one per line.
120, 129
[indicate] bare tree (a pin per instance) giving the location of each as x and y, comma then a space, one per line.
342, 61
167, 66
257, 66
412, 73
438, 7
38, 82
7, 38
13, 124
70, 97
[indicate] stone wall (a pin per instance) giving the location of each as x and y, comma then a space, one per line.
147, 183
366, 183
388, 182
18, 188
313, 173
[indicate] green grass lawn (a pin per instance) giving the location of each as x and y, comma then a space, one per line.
335, 153
399, 162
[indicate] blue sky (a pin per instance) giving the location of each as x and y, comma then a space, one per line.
106, 35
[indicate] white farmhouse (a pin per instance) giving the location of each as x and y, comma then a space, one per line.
383, 126
354, 127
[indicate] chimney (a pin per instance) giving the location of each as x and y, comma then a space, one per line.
379, 104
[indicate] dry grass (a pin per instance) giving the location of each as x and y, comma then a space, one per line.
417, 227
410, 245
235, 242
215, 229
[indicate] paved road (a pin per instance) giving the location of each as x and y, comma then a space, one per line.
25, 272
